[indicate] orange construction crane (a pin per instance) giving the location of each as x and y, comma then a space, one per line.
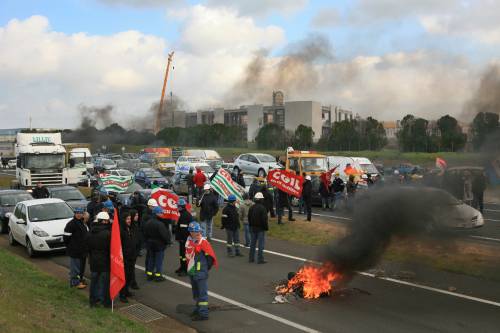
157, 127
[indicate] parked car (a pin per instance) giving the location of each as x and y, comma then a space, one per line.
147, 177
120, 172
211, 157
8, 200
179, 183
164, 164
227, 166
255, 164
103, 164
70, 194
130, 156
39, 225
12, 163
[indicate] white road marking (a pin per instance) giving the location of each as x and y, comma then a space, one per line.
493, 220
487, 238
492, 210
416, 285
325, 215
242, 305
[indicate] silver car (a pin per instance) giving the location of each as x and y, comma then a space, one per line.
255, 164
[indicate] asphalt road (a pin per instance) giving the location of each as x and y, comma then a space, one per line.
489, 232
242, 296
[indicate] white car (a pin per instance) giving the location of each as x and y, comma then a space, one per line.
120, 172
12, 163
255, 164
39, 225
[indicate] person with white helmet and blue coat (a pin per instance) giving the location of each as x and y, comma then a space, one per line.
231, 222
200, 257
181, 235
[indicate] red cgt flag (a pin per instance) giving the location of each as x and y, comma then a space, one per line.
117, 273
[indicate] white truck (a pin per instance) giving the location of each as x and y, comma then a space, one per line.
41, 157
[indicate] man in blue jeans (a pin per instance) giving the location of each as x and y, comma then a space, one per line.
257, 220
209, 207
157, 238
75, 237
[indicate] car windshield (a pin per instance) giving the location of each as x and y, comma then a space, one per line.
153, 174
66, 195
13, 198
369, 168
107, 162
206, 168
265, 158
49, 211
195, 153
44, 161
212, 155
124, 173
314, 164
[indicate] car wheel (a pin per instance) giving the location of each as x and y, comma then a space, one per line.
12, 241
236, 170
261, 173
29, 248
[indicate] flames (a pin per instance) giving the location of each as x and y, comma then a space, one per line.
312, 280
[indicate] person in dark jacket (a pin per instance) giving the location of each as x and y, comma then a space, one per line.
191, 186
75, 237
337, 190
148, 214
93, 207
240, 179
209, 206
257, 220
268, 200
478, 187
283, 200
181, 235
129, 236
99, 254
40, 191
231, 222
307, 197
254, 188
157, 237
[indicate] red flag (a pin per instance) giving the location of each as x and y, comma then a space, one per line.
117, 273
168, 201
441, 164
286, 181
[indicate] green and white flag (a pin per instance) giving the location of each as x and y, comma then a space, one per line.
112, 183
225, 185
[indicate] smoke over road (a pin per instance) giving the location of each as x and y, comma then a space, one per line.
487, 96
380, 215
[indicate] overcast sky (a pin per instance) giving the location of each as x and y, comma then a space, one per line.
384, 58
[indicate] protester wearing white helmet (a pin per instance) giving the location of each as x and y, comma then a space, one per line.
99, 254
152, 203
307, 197
208, 209
257, 220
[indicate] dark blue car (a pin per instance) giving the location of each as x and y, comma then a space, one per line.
8, 200
146, 177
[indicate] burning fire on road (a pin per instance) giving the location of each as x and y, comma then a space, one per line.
311, 282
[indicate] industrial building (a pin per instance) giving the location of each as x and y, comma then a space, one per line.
8, 141
287, 114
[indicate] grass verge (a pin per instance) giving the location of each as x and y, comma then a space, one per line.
33, 301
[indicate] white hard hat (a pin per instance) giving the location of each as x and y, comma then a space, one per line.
102, 216
206, 187
152, 202
259, 195
308, 177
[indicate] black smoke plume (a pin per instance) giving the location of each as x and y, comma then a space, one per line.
295, 74
382, 214
487, 96
171, 104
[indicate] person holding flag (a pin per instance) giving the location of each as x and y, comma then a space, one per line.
99, 255
182, 234
157, 236
201, 257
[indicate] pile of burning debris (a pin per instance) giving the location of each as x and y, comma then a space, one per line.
309, 282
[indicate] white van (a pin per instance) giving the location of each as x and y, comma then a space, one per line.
367, 166
82, 156
342, 162
208, 156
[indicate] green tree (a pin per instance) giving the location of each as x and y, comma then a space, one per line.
272, 136
485, 124
303, 137
413, 135
452, 138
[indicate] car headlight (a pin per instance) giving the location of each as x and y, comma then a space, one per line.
39, 232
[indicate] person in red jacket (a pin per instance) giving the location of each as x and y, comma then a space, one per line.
199, 180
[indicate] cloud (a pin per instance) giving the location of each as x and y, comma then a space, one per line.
47, 74
143, 3
261, 7
326, 17
478, 20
